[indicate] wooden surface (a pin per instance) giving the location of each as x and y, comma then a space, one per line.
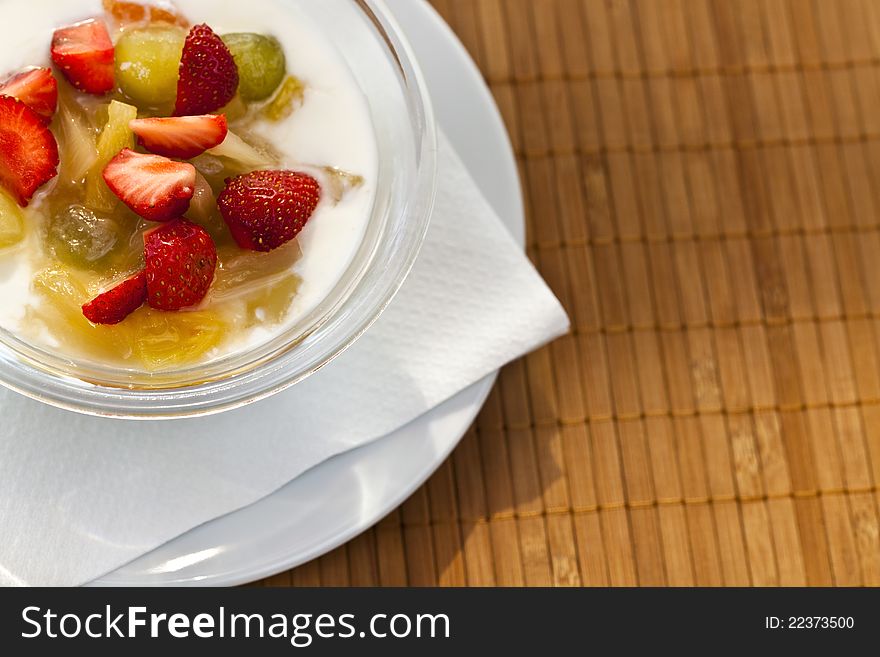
702, 184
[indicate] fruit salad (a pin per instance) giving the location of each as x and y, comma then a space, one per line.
178, 182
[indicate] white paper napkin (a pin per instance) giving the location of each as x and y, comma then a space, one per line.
80, 496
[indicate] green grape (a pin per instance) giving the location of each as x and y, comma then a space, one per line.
81, 238
147, 65
261, 64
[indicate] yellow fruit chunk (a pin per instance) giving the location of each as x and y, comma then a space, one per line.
62, 295
65, 290
165, 340
11, 221
290, 96
115, 136
149, 338
270, 304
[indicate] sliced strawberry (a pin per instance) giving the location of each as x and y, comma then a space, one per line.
208, 76
84, 53
36, 88
156, 188
266, 209
182, 137
28, 150
117, 303
181, 259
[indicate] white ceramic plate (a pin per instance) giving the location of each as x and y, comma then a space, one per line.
302, 520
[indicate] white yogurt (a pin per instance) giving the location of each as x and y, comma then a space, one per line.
332, 128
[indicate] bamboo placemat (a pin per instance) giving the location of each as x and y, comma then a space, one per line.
702, 184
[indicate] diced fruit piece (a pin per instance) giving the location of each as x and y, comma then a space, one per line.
266, 209
269, 305
61, 295
127, 13
261, 63
340, 183
154, 187
78, 138
11, 221
115, 137
203, 211
237, 149
208, 76
36, 88
161, 340
117, 303
84, 54
182, 137
235, 110
28, 151
84, 239
242, 273
180, 262
289, 96
62, 288
147, 63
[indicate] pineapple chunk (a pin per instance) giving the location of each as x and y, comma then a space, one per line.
241, 152
270, 304
11, 221
63, 294
115, 136
163, 340
290, 96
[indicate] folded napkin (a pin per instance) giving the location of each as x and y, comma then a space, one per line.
81, 496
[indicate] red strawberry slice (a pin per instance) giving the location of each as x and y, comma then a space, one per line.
266, 209
84, 53
208, 75
181, 259
182, 137
117, 303
156, 188
36, 88
28, 151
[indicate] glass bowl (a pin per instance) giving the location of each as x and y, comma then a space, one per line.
371, 43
